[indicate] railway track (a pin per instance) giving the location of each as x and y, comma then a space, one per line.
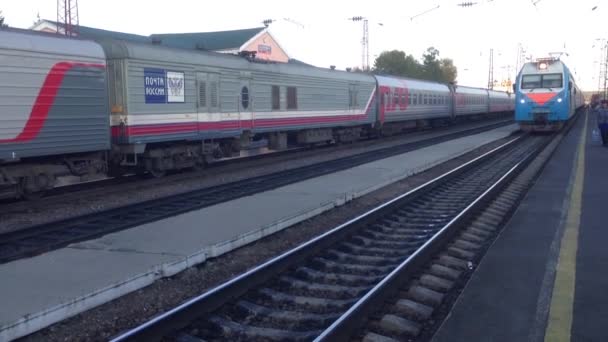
326, 288
49, 236
83, 187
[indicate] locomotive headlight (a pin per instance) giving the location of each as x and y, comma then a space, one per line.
522, 101
559, 99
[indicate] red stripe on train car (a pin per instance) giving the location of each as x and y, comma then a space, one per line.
192, 127
46, 99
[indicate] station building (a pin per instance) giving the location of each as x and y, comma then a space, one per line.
258, 40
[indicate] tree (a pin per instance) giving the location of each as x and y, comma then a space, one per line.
2, 24
431, 65
397, 63
448, 70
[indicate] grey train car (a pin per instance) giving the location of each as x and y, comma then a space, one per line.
500, 102
470, 101
408, 103
53, 104
160, 95
77, 107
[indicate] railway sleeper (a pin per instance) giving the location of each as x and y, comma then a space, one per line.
373, 337
312, 303
381, 235
236, 332
333, 278
265, 317
466, 245
390, 251
396, 243
411, 233
364, 259
284, 315
444, 272
452, 262
333, 291
471, 237
460, 253
355, 269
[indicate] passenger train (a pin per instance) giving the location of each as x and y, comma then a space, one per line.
546, 95
82, 108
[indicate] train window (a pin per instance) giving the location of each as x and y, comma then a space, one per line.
202, 94
353, 96
292, 98
552, 81
276, 97
530, 81
419, 98
245, 97
214, 94
396, 99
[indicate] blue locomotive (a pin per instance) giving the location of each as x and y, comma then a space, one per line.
546, 95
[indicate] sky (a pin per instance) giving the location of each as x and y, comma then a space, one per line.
319, 32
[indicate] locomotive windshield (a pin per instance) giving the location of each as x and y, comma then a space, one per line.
541, 81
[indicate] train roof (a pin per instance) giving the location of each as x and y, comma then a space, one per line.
498, 93
46, 43
470, 90
412, 83
119, 49
543, 66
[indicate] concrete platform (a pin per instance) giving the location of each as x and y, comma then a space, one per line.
545, 278
39, 291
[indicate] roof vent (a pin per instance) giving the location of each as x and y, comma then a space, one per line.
332, 67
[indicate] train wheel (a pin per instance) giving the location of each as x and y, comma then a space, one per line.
157, 173
34, 187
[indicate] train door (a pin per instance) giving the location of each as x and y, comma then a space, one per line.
203, 115
208, 111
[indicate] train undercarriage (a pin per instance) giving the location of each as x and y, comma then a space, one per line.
29, 179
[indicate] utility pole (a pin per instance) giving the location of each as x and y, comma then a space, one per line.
364, 42
67, 15
491, 70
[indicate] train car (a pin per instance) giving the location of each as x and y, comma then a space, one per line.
500, 101
83, 108
166, 101
54, 117
546, 95
407, 103
470, 102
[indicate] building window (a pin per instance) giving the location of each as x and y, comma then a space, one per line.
292, 98
276, 97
